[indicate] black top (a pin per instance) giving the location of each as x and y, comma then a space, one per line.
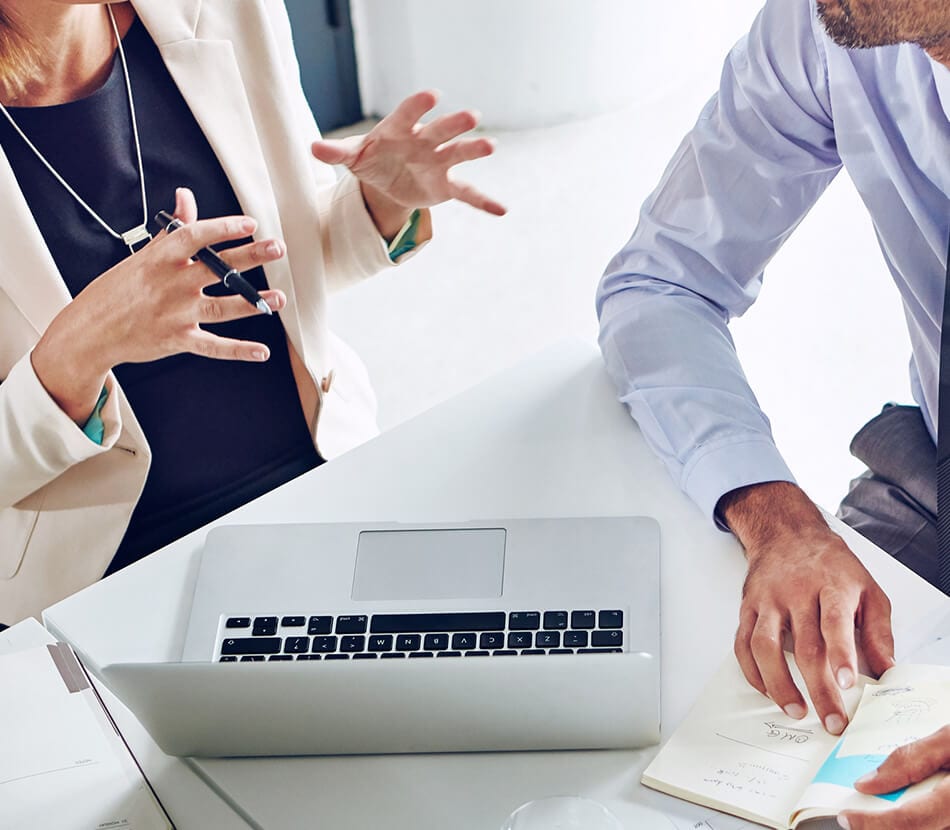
221, 432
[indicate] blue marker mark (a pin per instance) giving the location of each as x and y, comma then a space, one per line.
845, 771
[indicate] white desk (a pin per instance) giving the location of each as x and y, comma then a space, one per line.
546, 438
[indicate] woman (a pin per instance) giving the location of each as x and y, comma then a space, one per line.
139, 400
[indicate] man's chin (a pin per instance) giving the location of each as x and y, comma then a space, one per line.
836, 18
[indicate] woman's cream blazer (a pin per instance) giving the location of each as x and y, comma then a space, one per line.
65, 501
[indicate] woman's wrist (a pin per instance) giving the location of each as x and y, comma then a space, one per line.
388, 216
71, 367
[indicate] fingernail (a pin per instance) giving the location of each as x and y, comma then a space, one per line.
845, 677
248, 224
795, 710
835, 724
843, 822
867, 779
273, 249
259, 354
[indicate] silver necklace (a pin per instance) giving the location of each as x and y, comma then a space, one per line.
134, 236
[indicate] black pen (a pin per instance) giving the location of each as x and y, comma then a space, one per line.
231, 277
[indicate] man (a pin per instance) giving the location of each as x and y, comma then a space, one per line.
859, 84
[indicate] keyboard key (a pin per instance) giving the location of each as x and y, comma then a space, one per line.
252, 658
353, 643
436, 642
610, 619
336, 657
280, 657
309, 657
575, 638
421, 654
408, 642
524, 620
351, 624
365, 656
464, 641
533, 651
238, 622
547, 639
296, 645
251, 645
264, 626
583, 619
382, 642
561, 651
228, 658
476, 654
389, 655
422, 623
504, 653
449, 653
320, 625
492, 639
293, 622
324, 644
600, 651
554, 620
520, 639
608, 639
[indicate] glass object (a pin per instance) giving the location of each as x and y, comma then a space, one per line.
562, 812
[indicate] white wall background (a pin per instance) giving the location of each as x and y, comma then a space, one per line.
825, 345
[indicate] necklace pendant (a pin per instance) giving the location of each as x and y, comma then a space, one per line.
136, 238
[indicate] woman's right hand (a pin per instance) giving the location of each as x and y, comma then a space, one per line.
149, 306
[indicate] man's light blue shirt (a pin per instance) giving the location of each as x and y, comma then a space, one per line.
792, 109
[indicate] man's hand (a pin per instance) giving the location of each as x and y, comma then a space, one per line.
908, 765
803, 584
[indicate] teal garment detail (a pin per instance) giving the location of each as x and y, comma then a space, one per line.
94, 429
844, 771
405, 240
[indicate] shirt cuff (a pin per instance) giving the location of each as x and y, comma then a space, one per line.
728, 465
95, 428
405, 240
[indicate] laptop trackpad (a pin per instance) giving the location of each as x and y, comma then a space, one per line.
429, 564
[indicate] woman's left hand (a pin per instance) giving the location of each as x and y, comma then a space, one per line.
403, 165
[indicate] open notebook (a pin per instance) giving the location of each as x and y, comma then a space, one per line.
739, 753
63, 764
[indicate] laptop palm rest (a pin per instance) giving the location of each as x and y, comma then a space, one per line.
412, 706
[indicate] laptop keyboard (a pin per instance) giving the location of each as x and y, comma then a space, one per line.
419, 636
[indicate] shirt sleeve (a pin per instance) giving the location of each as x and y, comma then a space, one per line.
761, 153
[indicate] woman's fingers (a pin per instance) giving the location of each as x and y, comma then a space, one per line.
446, 127
186, 207
226, 309
411, 109
337, 151
206, 344
182, 244
245, 257
474, 197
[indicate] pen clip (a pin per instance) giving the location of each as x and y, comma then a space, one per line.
167, 222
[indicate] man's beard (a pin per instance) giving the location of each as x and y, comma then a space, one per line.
840, 26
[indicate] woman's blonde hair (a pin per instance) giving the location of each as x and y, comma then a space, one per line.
17, 58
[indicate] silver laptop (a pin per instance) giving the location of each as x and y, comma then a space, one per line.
353, 638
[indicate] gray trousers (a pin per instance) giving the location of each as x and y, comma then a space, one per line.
894, 503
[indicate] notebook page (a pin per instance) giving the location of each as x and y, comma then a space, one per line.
908, 703
739, 753
62, 765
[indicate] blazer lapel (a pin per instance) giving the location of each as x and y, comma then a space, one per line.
207, 75
29, 276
